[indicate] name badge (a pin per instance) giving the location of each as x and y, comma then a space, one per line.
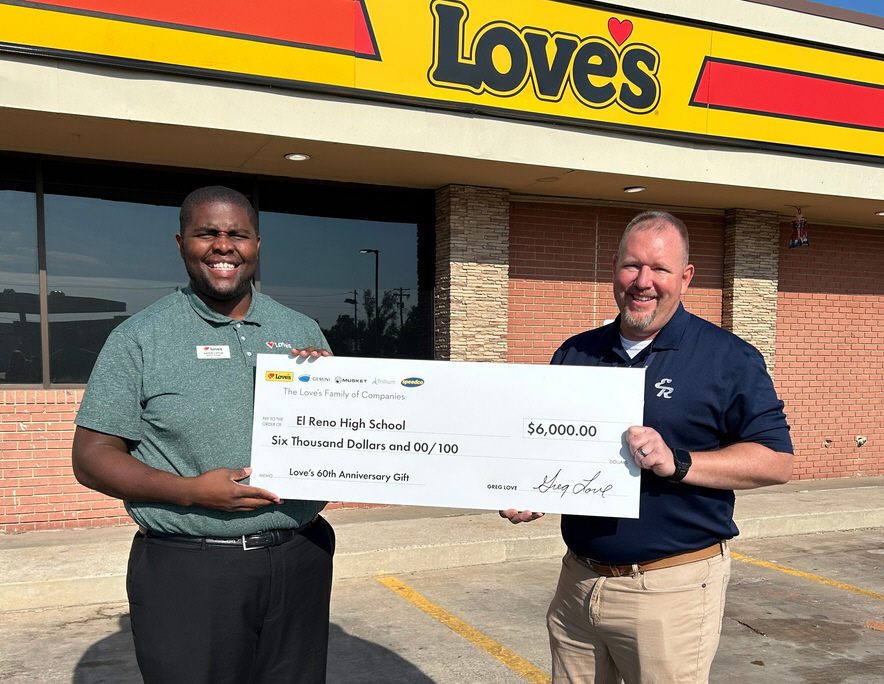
213, 352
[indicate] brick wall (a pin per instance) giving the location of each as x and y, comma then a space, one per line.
561, 266
37, 486
830, 369
38, 490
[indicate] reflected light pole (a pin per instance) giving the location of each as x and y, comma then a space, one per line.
377, 297
354, 302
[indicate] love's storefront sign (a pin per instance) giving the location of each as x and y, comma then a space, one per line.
541, 60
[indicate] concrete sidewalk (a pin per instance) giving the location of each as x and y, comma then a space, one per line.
43, 569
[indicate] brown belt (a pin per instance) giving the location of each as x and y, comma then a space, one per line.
668, 562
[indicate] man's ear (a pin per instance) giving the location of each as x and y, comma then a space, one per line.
686, 277
179, 240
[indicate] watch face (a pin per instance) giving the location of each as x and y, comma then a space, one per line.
682, 460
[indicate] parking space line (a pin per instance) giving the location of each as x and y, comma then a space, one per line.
513, 661
805, 575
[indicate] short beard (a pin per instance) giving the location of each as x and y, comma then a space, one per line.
638, 323
204, 287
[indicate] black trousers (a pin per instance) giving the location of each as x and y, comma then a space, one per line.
209, 615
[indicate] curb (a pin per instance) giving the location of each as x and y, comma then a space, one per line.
79, 567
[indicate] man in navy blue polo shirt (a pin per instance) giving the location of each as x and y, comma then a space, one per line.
642, 599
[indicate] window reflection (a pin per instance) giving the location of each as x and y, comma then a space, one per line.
313, 265
108, 233
20, 358
105, 261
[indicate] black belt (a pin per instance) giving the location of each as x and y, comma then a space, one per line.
246, 542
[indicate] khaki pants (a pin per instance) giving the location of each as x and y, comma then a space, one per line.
656, 627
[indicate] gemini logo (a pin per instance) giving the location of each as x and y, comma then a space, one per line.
501, 59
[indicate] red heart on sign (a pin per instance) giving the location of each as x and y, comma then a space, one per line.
205, 349
271, 375
619, 30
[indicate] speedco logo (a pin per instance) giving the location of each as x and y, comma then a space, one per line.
501, 58
277, 376
412, 382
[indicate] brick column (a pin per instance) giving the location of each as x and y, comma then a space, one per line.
751, 274
472, 272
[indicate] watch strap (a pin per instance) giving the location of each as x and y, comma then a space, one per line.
682, 459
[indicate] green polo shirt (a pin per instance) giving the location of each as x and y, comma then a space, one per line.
177, 382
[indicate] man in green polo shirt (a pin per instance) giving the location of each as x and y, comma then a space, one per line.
226, 582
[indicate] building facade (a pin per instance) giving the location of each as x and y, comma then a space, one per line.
478, 159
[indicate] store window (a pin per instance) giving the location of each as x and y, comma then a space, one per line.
332, 279
360, 260
105, 260
102, 236
20, 352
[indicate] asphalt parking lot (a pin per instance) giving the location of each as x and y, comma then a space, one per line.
802, 609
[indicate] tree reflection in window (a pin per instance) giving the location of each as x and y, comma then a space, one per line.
312, 264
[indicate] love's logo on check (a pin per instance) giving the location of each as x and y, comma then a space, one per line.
277, 376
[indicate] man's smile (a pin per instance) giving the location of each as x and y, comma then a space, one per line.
641, 299
224, 266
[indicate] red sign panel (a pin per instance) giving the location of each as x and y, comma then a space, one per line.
333, 25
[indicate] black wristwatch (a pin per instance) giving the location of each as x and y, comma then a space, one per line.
682, 460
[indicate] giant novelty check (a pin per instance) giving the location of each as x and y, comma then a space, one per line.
436, 433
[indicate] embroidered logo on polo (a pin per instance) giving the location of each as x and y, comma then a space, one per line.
274, 345
665, 390
221, 351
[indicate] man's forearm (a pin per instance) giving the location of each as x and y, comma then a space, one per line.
105, 467
739, 466
103, 463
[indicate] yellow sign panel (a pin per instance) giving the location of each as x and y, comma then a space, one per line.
279, 376
532, 59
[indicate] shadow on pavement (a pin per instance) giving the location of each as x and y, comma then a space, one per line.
351, 660
111, 660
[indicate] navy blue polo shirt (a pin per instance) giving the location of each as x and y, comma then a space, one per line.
705, 389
